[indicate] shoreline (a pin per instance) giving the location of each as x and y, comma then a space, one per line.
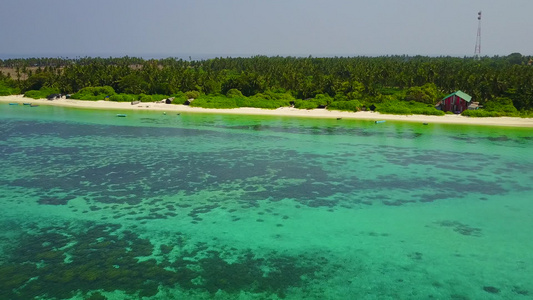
283, 111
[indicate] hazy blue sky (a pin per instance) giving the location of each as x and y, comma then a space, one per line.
274, 27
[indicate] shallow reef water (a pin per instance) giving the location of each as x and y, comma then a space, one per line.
85, 257
206, 206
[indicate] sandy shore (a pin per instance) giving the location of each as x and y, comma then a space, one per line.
284, 111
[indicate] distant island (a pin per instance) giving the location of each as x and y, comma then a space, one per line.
403, 85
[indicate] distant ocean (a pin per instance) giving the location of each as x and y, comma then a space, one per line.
203, 206
107, 55
190, 56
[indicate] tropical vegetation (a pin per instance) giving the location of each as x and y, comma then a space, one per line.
392, 84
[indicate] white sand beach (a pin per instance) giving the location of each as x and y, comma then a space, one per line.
283, 111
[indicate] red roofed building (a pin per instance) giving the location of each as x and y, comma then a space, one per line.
456, 102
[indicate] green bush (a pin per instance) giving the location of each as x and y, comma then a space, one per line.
158, 97
498, 107
323, 99
94, 93
214, 102
234, 93
389, 91
500, 104
395, 110
340, 97
481, 113
320, 100
192, 94
179, 98
526, 114
353, 105
398, 107
305, 104
427, 111
144, 98
123, 97
147, 98
6, 89
385, 98
278, 95
261, 101
426, 94
238, 100
41, 93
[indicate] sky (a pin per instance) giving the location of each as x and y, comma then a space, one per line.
203, 28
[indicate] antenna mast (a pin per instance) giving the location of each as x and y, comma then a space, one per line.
477, 51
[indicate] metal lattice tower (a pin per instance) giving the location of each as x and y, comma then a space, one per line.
477, 51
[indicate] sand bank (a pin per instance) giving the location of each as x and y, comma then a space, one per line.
284, 111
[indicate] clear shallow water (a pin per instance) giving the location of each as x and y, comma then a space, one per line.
203, 206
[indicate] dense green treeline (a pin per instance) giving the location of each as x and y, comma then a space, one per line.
342, 82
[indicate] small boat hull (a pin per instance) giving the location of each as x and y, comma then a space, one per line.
378, 122
121, 115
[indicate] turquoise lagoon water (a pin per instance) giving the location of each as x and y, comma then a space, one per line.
206, 206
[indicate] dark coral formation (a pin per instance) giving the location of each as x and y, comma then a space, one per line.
491, 289
58, 263
461, 228
250, 174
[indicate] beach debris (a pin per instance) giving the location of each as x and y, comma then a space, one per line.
53, 96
